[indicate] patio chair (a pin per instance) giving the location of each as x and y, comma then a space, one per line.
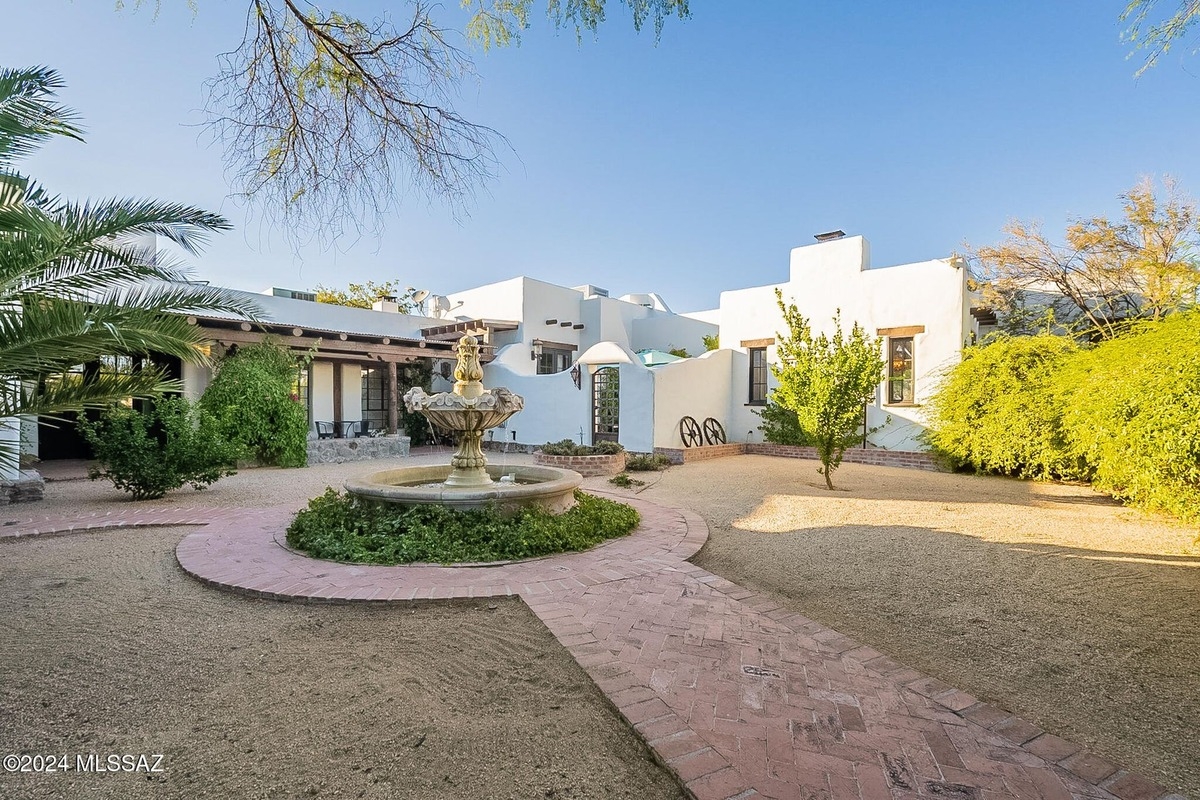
349, 429
324, 430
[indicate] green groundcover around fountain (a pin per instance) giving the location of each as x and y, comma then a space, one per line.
349, 528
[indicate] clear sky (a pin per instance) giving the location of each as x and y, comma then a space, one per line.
684, 168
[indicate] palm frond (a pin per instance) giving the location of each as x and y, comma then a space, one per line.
28, 116
56, 335
99, 391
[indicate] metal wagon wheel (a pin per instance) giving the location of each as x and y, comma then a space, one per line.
689, 431
714, 432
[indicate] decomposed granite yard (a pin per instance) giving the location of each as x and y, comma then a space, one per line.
1044, 600
110, 648
1048, 600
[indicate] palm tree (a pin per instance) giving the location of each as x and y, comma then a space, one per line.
78, 282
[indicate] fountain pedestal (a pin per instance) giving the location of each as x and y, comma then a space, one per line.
466, 412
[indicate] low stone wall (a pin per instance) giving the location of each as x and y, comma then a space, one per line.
685, 455
587, 466
338, 451
27, 488
876, 457
508, 447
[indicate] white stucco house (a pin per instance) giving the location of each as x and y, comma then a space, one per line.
572, 352
921, 311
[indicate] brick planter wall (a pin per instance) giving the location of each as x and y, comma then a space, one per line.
587, 466
855, 455
685, 455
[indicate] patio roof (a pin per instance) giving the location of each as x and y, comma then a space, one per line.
331, 344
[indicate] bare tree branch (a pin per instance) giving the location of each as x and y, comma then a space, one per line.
325, 119
1106, 274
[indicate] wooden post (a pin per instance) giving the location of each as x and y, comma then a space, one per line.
393, 399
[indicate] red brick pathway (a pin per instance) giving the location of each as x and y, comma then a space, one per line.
740, 697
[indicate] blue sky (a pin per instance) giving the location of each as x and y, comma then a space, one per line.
683, 168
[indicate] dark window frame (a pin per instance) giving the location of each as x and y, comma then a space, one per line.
901, 389
553, 360
757, 395
374, 398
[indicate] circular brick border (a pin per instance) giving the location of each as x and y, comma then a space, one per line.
240, 553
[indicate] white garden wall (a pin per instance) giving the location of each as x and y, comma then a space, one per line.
693, 387
554, 408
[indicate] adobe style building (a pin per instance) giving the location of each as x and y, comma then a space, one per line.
578, 355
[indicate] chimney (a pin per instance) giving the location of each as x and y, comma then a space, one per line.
830, 236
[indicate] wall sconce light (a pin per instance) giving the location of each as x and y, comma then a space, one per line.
535, 351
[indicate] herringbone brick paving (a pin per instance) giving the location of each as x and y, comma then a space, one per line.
738, 696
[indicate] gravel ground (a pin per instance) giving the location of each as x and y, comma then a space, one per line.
1046, 599
108, 648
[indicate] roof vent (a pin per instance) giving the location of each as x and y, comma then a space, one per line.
830, 236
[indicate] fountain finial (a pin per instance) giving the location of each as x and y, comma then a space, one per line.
468, 372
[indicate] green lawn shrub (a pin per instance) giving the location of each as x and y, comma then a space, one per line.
782, 426
251, 397
148, 453
349, 528
647, 462
625, 481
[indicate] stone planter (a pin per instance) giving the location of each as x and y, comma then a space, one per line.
587, 466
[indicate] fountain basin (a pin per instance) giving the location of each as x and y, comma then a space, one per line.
541, 487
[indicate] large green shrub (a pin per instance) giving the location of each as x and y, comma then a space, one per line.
1132, 413
997, 411
1124, 414
148, 453
252, 399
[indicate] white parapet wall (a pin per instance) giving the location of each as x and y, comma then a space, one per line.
697, 388
554, 408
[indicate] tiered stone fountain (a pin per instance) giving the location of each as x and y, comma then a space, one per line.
469, 481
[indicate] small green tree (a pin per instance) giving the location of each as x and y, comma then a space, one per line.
712, 342
149, 453
826, 381
252, 400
